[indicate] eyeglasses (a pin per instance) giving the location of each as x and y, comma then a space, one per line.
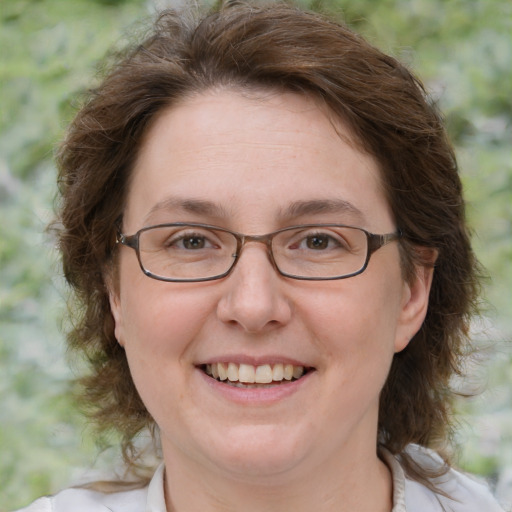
182, 252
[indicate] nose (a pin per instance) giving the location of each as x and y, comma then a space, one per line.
254, 298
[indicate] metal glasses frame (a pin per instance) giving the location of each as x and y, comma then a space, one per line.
375, 242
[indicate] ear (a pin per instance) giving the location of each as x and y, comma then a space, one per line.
415, 299
115, 307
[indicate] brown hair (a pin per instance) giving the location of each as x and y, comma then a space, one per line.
279, 47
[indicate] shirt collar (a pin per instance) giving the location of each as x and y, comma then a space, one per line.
156, 497
398, 477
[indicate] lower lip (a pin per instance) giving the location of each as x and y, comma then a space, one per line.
256, 395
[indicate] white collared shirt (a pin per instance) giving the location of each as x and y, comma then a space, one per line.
467, 494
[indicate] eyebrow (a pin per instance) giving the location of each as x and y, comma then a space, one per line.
320, 206
296, 209
197, 206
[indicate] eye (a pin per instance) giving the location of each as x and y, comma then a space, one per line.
320, 241
191, 241
194, 242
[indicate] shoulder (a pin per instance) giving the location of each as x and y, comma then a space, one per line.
84, 500
452, 492
147, 498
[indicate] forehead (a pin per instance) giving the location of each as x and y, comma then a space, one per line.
250, 155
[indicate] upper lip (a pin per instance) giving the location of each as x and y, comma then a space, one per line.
254, 360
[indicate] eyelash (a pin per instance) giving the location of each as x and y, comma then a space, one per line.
175, 239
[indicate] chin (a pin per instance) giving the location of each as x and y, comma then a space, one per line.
258, 452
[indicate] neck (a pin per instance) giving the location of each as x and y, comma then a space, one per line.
356, 481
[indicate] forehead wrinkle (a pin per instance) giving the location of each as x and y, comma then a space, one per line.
319, 206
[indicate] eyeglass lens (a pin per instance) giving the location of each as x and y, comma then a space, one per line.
195, 252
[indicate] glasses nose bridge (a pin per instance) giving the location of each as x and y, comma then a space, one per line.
242, 240
261, 239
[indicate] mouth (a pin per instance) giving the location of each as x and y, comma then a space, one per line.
249, 376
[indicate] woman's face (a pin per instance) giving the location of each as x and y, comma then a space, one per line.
254, 165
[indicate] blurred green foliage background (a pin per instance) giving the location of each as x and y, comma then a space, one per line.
49, 52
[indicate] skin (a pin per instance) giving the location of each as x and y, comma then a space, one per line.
312, 447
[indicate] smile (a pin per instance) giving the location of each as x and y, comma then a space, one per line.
246, 375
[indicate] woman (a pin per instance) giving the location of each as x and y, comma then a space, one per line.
262, 220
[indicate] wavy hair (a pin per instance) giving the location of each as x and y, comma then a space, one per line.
271, 47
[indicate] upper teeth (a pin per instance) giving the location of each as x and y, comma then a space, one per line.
263, 374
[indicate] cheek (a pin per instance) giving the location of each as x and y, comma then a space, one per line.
153, 315
355, 322
353, 327
160, 319
160, 329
